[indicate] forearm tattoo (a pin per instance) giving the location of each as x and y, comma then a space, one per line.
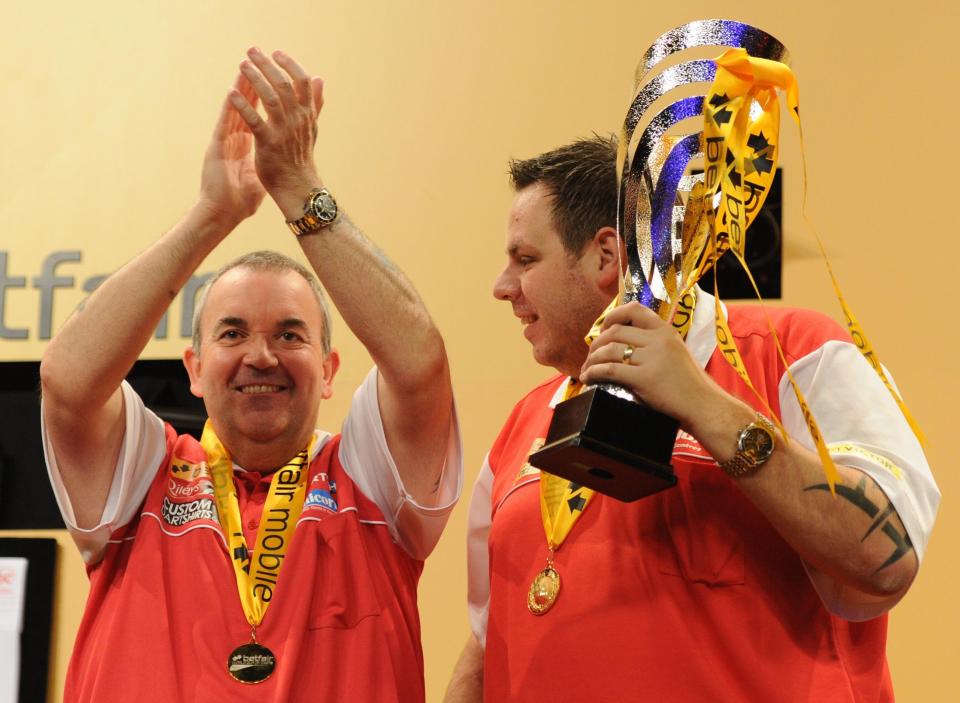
386, 262
881, 518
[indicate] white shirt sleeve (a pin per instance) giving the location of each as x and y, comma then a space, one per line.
864, 429
367, 460
478, 553
142, 450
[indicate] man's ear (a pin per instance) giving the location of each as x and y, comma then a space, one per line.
330, 366
611, 255
191, 361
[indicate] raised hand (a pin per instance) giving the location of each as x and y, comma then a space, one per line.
284, 141
229, 186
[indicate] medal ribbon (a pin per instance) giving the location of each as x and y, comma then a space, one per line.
277, 523
741, 130
562, 502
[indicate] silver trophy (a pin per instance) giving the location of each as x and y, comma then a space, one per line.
604, 438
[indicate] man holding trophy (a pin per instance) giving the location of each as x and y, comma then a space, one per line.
747, 575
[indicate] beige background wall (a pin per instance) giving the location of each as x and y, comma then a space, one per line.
107, 107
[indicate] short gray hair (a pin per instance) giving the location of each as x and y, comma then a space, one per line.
264, 260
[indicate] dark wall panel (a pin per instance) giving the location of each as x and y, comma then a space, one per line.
26, 500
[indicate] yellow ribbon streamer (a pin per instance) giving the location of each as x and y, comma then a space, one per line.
278, 522
856, 331
857, 450
741, 134
741, 131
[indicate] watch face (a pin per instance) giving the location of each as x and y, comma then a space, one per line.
324, 206
757, 443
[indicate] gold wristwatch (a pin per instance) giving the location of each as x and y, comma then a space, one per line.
319, 211
754, 446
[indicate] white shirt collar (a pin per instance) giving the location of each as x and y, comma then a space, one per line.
321, 438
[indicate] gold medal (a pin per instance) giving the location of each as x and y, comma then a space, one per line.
543, 591
251, 663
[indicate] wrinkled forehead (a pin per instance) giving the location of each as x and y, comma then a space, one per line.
262, 298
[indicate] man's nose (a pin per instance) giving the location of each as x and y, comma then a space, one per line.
506, 286
259, 353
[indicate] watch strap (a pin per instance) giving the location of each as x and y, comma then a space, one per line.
311, 222
306, 224
743, 463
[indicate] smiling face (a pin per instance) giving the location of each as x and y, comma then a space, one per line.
557, 296
260, 369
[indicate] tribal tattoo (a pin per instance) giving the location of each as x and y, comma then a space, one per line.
881, 518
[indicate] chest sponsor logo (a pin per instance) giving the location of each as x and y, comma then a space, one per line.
180, 514
689, 448
322, 499
186, 489
188, 472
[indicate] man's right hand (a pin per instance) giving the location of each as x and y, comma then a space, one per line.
230, 190
85, 363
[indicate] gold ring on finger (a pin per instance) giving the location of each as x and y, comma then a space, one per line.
627, 354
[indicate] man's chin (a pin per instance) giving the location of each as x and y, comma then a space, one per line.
261, 428
556, 359
545, 356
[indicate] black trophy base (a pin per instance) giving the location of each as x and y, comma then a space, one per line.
614, 446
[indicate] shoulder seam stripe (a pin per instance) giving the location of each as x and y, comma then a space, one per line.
515, 487
121, 541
